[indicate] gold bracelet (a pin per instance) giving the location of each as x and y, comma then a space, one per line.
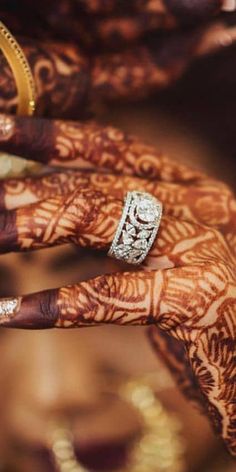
21, 71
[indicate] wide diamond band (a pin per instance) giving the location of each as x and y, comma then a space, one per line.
137, 228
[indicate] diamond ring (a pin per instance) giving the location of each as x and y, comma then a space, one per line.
137, 228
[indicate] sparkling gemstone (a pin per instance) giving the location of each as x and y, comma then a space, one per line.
146, 210
122, 250
140, 244
134, 254
144, 234
130, 229
7, 307
127, 239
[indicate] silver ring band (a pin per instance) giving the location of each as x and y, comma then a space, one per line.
137, 228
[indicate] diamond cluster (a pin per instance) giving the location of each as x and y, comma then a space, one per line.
137, 228
8, 306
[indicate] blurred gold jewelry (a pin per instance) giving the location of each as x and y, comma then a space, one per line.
21, 71
160, 448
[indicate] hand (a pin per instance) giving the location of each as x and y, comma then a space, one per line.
187, 285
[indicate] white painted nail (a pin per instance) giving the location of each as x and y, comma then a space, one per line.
229, 5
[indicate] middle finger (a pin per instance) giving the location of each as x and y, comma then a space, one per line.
208, 202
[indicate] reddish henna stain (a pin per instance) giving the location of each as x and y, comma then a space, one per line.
8, 231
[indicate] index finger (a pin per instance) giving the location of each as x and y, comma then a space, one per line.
88, 146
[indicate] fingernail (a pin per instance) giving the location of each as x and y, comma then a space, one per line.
8, 308
229, 5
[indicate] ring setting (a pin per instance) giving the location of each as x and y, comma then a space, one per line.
137, 228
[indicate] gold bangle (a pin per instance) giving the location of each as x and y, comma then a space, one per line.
21, 71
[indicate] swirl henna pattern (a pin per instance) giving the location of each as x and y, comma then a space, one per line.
88, 146
61, 77
206, 201
190, 257
187, 288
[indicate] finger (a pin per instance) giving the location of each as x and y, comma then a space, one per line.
87, 218
88, 146
207, 202
194, 304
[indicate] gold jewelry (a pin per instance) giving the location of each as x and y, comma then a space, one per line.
21, 71
160, 448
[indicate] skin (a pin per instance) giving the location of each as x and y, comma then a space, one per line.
191, 265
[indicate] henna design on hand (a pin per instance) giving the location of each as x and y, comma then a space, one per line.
190, 291
203, 322
61, 76
129, 74
206, 201
87, 218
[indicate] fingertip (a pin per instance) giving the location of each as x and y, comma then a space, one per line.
35, 311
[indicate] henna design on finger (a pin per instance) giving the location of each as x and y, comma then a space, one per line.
207, 202
87, 218
192, 300
194, 304
172, 352
90, 146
